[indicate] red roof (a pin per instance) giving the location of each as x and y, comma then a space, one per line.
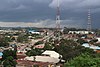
30, 63
39, 46
98, 51
20, 55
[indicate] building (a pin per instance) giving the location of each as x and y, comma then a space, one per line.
98, 38
40, 46
47, 56
51, 54
96, 48
80, 32
27, 63
33, 32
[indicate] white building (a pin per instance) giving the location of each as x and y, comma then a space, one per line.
80, 32
47, 56
51, 54
91, 46
33, 32
98, 38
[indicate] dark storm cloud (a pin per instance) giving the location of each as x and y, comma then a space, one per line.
23, 10
72, 12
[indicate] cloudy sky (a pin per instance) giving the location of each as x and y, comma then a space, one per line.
42, 13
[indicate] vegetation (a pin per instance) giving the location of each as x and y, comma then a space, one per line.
70, 49
34, 52
48, 46
36, 36
7, 39
9, 62
8, 58
93, 41
81, 41
39, 42
4, 42
78, 56
97, 44
7, 53
72, 52
22, 38
83, 60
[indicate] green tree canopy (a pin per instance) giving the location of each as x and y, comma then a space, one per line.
8, 53
48, 46
34, 52
9, 62
83, 60
69, 49
22, 38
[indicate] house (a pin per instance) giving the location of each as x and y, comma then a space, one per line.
21, 56
80, 32
27, 63
39, 46
96, 48
47, 56
98, 38
33, 32
51, 53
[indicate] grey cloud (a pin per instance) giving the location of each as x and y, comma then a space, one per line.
75, 5
39, 11
42, 23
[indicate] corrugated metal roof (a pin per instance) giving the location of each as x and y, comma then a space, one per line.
91, 46
1, 54
51, 53
86, 45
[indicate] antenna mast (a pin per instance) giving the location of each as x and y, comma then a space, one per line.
89, 27
58, 15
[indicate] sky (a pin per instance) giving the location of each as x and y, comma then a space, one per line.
42, 13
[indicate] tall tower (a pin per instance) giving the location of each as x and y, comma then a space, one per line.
58, 16
89, 27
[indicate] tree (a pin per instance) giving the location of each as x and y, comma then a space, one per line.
8, 58
93, 41
4, 44
13, 38
39, 42
34, 52
9, 62
4, 41
7, 53
83, 60
69, 49
81, 41
22, 38
7, 39
48, 46
97, 44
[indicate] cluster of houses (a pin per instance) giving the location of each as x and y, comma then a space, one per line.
88, 36
46, 59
